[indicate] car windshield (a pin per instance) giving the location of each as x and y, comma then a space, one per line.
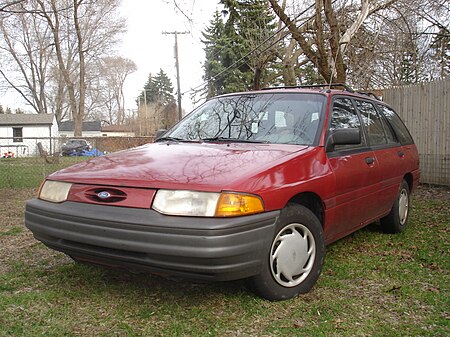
281, 118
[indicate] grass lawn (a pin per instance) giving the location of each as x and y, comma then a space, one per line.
372, 284
29, 172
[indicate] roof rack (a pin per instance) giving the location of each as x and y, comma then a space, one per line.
370, 94
326, 85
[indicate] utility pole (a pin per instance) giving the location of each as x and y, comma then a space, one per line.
177, 66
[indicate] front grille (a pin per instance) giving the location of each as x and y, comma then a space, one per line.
110, 195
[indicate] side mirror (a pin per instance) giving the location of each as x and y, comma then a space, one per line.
347, 136
160, 133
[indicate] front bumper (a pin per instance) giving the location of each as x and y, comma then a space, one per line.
142, 239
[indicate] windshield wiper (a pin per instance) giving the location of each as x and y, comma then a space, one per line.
165, 139
232, 140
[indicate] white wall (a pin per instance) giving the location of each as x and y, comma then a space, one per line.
28, 147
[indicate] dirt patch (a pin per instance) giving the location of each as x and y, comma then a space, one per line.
426, 192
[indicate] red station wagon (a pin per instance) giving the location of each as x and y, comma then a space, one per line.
249, 185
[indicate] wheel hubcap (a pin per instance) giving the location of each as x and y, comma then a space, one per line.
292, 255
403, 204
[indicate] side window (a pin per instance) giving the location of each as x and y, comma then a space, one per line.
400, 129
17, 135
344, 116
388, 131
373, 123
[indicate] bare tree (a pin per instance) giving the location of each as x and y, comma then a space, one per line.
114, 71
26, 50
73, 35
395, 45
89, 24
324, 40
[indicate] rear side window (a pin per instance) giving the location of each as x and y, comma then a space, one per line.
373, 122
400, 129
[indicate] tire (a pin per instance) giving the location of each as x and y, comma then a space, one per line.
294, 260
397, 219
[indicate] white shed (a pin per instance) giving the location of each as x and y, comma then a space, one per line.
20, 133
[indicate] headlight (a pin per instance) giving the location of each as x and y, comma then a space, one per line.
188, 203
192, 203
54, 191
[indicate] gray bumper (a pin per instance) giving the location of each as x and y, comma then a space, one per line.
142, 239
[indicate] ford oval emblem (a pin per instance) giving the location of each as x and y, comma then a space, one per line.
103, 195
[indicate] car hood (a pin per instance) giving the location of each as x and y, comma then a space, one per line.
198, 166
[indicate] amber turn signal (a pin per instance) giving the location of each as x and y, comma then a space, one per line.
233, 204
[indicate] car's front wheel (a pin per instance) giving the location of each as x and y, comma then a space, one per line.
295, 258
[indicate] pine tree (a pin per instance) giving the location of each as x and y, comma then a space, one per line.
227, 68
256, 28
162, 89
1, 109
158, 89
441, 51
215, 44
223, 48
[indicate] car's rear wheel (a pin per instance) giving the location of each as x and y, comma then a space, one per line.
396, 220
294, 260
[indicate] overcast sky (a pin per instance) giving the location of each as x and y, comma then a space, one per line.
145, 44
151, 50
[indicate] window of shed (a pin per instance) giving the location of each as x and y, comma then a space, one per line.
17, 135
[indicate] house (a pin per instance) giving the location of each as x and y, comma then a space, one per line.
20, 133
117, 131
89, 129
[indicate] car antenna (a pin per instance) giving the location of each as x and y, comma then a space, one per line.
333, 70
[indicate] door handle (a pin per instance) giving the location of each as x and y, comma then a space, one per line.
370, 160
401, 154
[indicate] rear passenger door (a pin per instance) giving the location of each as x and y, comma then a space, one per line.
355, 171
408, 152
388, 154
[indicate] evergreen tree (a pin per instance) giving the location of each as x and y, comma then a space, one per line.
249, 23
158, 89
441, 51
256, 28
162, 89
215, 44
223, 47
1, 109
307, 74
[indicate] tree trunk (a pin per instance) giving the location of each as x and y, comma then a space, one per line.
78, 119
257, 79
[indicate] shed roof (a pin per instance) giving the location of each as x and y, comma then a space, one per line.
26, 119
87, 126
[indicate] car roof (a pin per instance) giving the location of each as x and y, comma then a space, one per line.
324, 89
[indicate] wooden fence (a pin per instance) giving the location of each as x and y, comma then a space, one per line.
425, 109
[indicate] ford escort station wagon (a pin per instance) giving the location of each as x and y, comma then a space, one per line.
249, 185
